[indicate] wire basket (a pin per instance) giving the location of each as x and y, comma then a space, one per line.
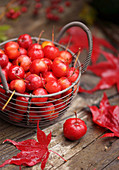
26, 114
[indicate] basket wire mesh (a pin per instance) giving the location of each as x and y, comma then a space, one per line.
27, 113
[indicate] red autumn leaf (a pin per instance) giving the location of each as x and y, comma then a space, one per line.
78, 39
32, 152
108, 71
106, 116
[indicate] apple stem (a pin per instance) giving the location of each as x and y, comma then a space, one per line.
77, 57
76, 115
39, 37
53, 34
68, 44
22, 79
58, 155
8, 100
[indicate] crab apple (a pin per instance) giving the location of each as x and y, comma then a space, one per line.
51, 52
34, 116
49, 76
45, 43
35, 46
59, 67
25, 41
11, 49
60, 105
66, 55
22, 103
24, 61
5, 74
22, 51
16, 72
48, 112
40, 100
18, 85
34, 53
53, 86
65, 83
15, 117
3, 60
7, 67
33, 82
74, 128
48, 62
72, 74
38, 66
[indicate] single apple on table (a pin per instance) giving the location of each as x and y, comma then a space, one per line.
74, 128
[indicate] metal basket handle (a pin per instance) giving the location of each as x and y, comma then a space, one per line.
4, 81
89, 36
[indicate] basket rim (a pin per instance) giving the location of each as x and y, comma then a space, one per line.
52, 94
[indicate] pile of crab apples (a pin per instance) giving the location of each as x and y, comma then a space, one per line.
37, 69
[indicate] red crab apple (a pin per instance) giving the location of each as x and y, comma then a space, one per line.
49, 76
48, 112
66, 55
22, 103
51, 52
40, 100
72, 74
34, 116
16, 72
22, 51
24, 61
7, 67
53, 86
33, 82
60, 105
38, 66
35, 53
59, 67
3, 60
18, 85
15, 117
12, 50
45, 43
48, 62
65, 83
74, 128
25, 41
35, 46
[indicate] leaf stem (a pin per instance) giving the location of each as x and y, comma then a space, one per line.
58, 155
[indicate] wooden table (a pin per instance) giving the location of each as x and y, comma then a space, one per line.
88, 153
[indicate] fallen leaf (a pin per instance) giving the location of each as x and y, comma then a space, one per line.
106, 116
108, 71
32, 152
78, 39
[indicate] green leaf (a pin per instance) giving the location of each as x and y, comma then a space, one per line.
4, 27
